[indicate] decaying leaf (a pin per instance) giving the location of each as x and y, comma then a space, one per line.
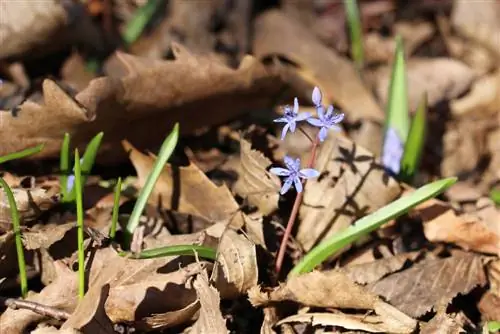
431, 283
351, 185
442, 323
331, 289
255, 183
211, 319
238, 269
278, 34
194, 91
187, 190
483, 98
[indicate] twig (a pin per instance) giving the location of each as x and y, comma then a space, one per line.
47, 311
295, 211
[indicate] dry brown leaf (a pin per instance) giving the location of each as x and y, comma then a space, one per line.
441, 78
26, 25
16, 321
237, 270
374, 271
442, 323
194, 192
483, 98
366, 323
351, 185
278, 34
431, 283
255, 183
53, 330
489, 306
330, 289
211, 319
194, 91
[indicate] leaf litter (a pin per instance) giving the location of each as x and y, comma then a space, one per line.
222, 73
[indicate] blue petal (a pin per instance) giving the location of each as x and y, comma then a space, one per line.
280, 171
286, 185
315, 122
322, 134
70, 183
293, 125
288, 162
296, 165
321, 112
329, 112
298, 184
316, 96
337, 118
308, 173
285, 129
302, 116
281, 120
295, 106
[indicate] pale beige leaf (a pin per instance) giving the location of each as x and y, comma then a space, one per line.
352, 184
442, 323
483, 98
431, 283
237, 270
255, 183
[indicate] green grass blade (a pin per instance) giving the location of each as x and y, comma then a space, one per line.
21, 154
141, 18
397, 104
202, 251
116, 207
166, 150
354, 23
87, 162
16, 225
369, 223
494, 326
64, 166
79, 219
415, 142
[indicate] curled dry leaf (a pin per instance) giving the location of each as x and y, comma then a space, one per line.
186, 190
211, 319
278, 34
483, 98
153, 95
330, 289
237, 270
255, 183
351, 185
432, 283
17, 321
441, 78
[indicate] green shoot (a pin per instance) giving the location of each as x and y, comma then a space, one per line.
202, 251
368, 224
354, 23
495, 196
494, 326
397, 116
166, 150
136, 25
79, 220
64, 166
16, 224
415, 142
116, 207
21, 154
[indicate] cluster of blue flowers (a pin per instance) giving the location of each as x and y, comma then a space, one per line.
325, 121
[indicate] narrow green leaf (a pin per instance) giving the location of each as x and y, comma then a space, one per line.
16, 225
21, 154
116, 207
141, 18
166, 150
202, 251
369, 223
397, 116
415, 143
495, 196
64, 166
79, 221
354, 23
494, 326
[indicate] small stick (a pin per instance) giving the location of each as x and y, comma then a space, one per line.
47, 311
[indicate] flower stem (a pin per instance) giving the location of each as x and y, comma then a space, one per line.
295, 211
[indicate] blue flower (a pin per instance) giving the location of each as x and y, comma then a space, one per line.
293, 174
71, 179
392, 151
327, 120
291, 117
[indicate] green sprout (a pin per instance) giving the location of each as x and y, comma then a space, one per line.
79, 221
354, 23
136, 25
369, 223
166, 150
21, 154
494, 326
116, 207
202, 251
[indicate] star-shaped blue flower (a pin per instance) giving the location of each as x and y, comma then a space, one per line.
327, 120
293, 174
392, 151
291, 117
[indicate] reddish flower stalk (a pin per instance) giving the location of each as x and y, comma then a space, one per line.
295, 211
